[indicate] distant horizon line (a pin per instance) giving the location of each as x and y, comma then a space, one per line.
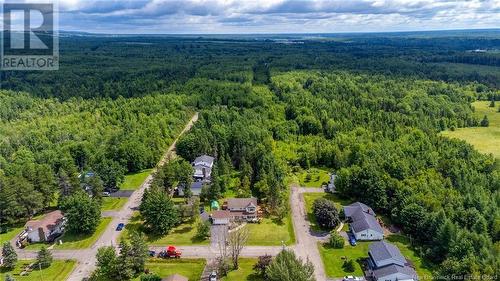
293, 33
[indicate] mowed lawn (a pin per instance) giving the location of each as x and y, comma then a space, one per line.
134, 181
59, 270
313, 177
333, 259
271, 233
77, 241
184, 234
113, 203
245, 271
484, 139
309, 199
190, 268
11, 233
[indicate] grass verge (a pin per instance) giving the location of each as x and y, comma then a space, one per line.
133, 181
190, 268
113, 203
184, 234
58, 270
245, 271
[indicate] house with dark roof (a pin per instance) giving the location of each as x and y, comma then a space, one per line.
363, 223
195, 189
386, 263
203, 167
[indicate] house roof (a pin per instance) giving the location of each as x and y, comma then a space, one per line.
383, 251
222, 214
195, 188
204, 159
349, 210
364, 221
48, 222
175, 277
403, 272
241, 203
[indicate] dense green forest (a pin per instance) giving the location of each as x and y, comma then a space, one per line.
112, 66
369, 108
46, 145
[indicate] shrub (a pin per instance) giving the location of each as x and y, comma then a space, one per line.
336, 240
325, 213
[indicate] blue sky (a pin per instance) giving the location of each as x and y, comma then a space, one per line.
274, 16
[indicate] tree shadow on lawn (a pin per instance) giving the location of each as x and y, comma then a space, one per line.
254, 277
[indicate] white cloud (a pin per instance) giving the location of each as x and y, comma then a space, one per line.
229, 16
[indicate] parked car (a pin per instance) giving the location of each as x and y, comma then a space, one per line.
152, 253
352, 241
213, 276
120, 226
170, 252
106, 194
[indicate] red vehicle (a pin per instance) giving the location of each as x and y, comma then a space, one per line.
171, 252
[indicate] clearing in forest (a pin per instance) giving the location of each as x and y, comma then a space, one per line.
484, 139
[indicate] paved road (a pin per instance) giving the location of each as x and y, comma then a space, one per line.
307, 244
86, 257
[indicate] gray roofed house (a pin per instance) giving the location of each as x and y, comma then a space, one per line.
349, 210
203, 167
396, 272
204, 160
240, 204
386, 263
383, 253
364, 225
363, 221
195, 189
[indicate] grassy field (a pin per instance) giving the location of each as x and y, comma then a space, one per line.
134, 181
270, 233
309, 200
113, 203
190, 268
11, 233
77, 241
333, 259
313, 177
245, 271
484, 139
59, 270
184, 234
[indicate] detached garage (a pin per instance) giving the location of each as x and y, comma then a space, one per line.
220, 217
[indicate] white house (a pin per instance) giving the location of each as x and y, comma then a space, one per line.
363, 223
203, 167
44, 230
